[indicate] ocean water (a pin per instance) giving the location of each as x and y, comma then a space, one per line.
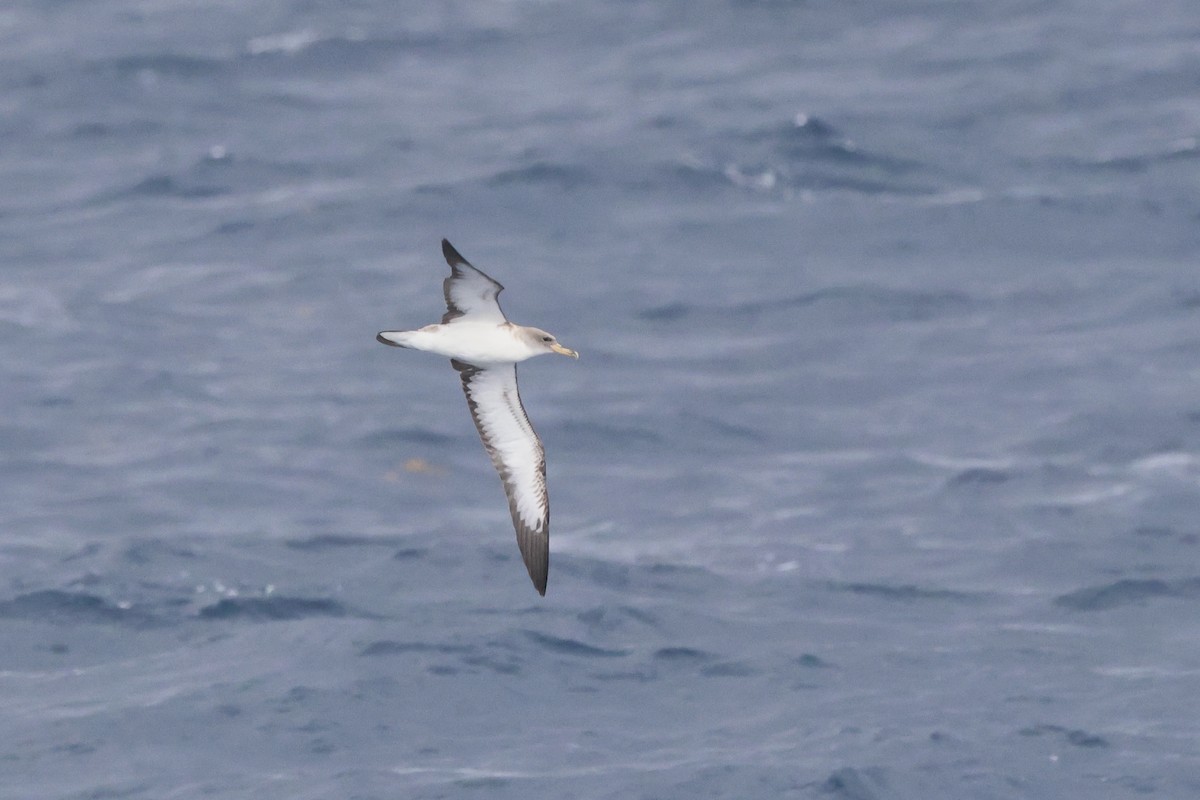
879, 475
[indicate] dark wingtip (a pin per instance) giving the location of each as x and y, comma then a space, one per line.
453, 257
539, 571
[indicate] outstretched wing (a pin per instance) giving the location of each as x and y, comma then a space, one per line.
517, 454
469, 292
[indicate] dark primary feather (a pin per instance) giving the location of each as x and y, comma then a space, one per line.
468, 290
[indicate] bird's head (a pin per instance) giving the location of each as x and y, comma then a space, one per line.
546, 343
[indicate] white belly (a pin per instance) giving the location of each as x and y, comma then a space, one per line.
473, 342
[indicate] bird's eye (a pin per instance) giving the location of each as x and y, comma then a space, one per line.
547, 338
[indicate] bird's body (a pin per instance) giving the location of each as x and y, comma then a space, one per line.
485, 348
478, 343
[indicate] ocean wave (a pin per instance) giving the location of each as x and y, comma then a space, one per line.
1128, 591
337, 541
572, 647
686, 655
905, 592
849, 783
807, 155
180, 65
978, 476
881, 302
389, 647
1182, 149
543, 173
886, 303
277, 608
1073, 736
59, 607
355, 48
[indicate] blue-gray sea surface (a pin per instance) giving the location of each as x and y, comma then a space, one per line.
879, 475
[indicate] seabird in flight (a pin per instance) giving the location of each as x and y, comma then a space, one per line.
485, 347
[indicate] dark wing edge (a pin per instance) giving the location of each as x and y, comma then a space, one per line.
461, 269
534, 543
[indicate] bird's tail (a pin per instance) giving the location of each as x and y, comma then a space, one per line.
396, 338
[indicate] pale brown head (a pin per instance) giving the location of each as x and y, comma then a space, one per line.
542, 342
